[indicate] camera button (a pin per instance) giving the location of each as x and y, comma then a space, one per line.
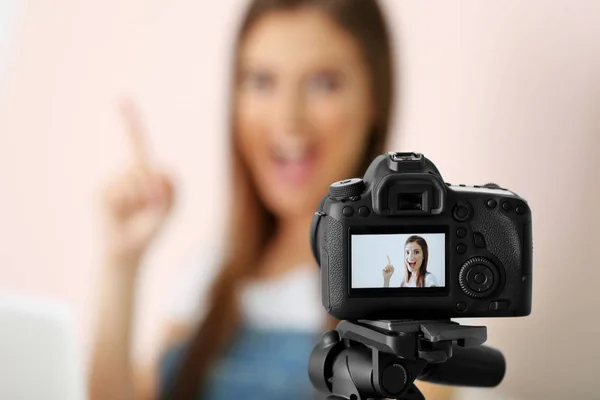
520, 209
492, 186
462, 212
461, 306
479, 240
348, 211
461, 232
506, 206
501, 305
491, 203
479, 278
461, 248
364, 211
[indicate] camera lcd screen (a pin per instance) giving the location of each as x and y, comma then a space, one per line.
411, 261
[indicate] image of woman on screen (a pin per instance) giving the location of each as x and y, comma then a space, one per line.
416, 255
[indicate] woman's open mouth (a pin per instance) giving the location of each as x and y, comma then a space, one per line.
412, 264
294, 164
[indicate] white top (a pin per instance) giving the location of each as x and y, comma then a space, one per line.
430, 280
292, 301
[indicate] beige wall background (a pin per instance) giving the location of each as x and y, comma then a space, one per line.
503, 91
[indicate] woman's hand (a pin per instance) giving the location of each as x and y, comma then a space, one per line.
388, 271
137, 202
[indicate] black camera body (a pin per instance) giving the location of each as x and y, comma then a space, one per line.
400, 243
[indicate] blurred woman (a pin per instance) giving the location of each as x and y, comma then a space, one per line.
416, 256
310, 105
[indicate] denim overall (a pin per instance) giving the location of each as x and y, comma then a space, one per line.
260, 364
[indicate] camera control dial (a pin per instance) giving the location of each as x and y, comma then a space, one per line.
347, 188
478, 277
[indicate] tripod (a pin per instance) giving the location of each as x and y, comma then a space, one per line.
381, 359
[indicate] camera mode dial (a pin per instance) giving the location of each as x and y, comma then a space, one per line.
478, 277
347, 188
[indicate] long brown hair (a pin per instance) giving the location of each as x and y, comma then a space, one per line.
422, 273
364, 21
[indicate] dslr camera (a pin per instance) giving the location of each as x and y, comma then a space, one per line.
400, 243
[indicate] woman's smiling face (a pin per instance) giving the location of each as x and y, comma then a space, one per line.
413, 256
304, 108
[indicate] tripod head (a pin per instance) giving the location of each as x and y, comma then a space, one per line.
381, 359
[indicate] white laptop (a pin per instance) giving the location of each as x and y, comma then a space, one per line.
39, 352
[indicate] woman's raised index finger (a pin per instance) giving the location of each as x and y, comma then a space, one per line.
389, 262
136, 131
